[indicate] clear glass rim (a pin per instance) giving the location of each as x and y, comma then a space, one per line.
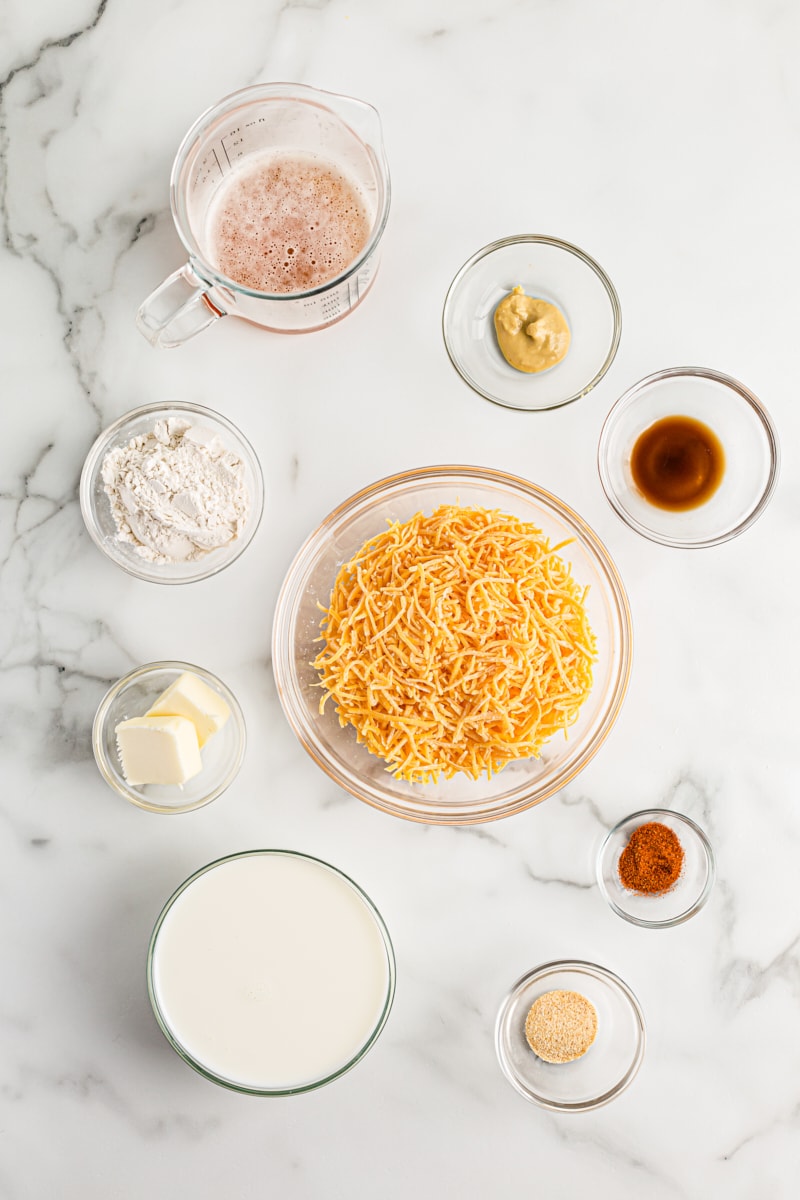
429, 813
656, 814
105, 439
559, 244
632, 394
307, 1087
100, 717
306, 94
583, 967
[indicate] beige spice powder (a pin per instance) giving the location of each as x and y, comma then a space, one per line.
561, 1026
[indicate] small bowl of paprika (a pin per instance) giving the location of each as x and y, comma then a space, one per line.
656, 868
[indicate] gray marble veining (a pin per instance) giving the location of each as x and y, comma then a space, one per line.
665, 142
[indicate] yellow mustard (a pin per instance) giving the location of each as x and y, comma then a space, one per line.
532, 334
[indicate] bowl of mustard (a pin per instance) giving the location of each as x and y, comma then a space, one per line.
531, 322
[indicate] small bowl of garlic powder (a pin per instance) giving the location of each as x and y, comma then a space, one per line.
570, 1036
172, 494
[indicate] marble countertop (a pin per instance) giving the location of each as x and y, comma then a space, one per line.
663, 140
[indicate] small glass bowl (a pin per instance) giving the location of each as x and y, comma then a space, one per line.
687, 895
608, 1066
307, 590
748, 438
96, 508
547, 269
131, 696
190, 1053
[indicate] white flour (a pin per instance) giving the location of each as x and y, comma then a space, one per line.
176, 493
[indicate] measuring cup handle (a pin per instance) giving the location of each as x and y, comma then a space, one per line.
178, 309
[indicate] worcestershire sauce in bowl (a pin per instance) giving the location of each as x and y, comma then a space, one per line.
677, 463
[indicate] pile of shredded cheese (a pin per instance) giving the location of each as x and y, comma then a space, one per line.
455, 643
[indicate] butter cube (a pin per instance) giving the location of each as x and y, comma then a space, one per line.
158, 750
189, 697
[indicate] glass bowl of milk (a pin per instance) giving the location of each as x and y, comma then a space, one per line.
270, 972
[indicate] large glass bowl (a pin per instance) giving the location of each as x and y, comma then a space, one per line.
307, 589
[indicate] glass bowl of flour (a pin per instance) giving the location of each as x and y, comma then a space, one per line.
172, 493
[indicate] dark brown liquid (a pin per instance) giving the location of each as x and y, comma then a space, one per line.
677, 463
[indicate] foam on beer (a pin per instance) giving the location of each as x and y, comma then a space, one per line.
286, 223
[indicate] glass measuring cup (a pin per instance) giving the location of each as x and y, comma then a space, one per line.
266, 120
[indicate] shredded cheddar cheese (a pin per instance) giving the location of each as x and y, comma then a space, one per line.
456, 643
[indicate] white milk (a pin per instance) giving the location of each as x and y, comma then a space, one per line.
271, 971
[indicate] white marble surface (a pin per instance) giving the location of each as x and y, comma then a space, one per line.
664, 140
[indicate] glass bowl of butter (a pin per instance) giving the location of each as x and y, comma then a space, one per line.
169, 737
531, 322
172, 493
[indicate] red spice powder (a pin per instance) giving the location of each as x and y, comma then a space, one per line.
652, 861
